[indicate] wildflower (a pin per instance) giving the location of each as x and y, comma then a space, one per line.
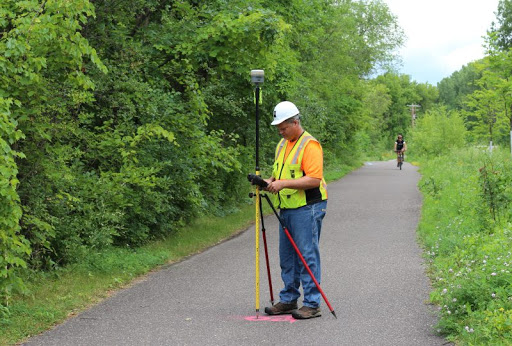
493, 274
444, 291
454, 300
493, 295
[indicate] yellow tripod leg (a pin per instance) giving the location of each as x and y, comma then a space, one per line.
257, 252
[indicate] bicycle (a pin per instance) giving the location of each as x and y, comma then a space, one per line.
400, 159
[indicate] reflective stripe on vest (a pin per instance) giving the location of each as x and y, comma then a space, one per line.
280, 147
302, 144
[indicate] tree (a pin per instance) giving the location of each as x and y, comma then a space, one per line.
346, 42
501, 30
42, 52
376, 103
499, 46
437, 131
453, 89
484, 108
397, 119
429, 95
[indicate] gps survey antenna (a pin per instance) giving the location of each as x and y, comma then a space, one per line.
257, 77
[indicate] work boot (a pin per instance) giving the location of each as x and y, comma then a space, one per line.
281, 309
306, 312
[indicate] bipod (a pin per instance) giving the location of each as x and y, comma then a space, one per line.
257, 180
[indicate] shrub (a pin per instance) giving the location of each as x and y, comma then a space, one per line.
437, 132
467, 246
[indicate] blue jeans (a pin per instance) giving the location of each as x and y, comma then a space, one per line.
304, 225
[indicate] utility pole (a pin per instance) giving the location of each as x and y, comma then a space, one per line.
413, 112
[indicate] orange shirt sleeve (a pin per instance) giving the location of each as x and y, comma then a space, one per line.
313, 160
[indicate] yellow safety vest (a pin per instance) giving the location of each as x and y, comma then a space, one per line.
291, 169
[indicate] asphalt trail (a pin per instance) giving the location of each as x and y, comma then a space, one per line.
373, 275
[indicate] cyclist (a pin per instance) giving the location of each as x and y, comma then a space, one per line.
400, 147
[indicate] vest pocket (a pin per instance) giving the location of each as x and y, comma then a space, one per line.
287, 193
294, 171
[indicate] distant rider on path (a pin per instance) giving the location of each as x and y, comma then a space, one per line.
400, 147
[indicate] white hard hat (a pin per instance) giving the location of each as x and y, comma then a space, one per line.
284, 110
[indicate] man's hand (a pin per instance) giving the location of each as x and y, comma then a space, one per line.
269, 180
303, 183
276, 186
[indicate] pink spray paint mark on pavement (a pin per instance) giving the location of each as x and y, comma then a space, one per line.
279, 318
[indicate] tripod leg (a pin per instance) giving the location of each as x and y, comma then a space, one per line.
266, 254
257, 255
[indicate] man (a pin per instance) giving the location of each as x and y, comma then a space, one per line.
400, 147
300, 194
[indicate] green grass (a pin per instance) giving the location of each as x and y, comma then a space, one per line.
57, 295
466, 231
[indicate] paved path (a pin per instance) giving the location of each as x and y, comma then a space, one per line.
373, 276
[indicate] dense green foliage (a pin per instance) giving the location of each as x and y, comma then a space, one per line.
397, 118
482, 89
437, 132
121, 121
501, 29
453, 89
466, 228
41, 57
